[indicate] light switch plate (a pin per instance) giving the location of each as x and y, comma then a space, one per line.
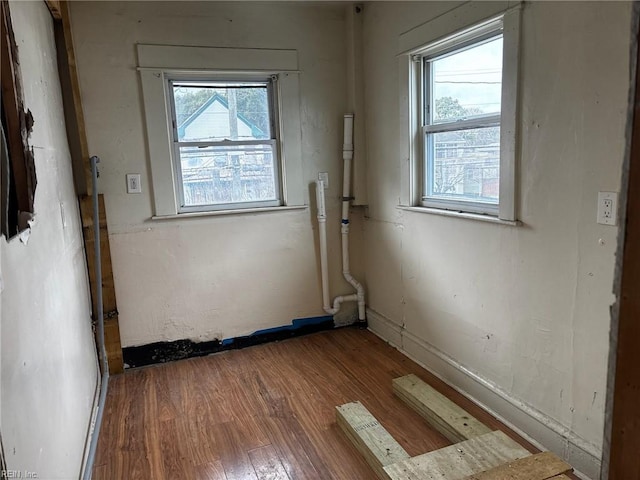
133, 183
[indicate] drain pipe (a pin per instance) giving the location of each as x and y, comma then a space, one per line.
347, 156
88, 469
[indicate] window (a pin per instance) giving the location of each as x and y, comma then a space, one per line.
461, 128
225, 143
223, 129
462, 107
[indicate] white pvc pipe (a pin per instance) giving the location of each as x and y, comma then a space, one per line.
347, 156
322, 233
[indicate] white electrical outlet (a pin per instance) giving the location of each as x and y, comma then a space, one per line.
608, 208
133, 183
324, 178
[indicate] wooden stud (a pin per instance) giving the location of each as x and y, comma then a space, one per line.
459, 461
371, 439
445, 416
54, 8
541, 466
71, 92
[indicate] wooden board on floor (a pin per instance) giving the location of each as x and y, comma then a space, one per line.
377, 445
445, 416
541, 466
461, 460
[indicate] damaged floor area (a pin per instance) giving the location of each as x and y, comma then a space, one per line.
264, 412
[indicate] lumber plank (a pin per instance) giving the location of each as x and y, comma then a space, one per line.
459, 461
73, 99
445, 416
377, 445
541, 466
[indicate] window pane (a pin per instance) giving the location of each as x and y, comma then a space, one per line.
468, 83
228, 174
216, 112
464, 165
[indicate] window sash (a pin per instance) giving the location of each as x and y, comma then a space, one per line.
467, 124
429, 128
273, 143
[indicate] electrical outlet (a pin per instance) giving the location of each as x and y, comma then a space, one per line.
133, 183
324, 178
608, 208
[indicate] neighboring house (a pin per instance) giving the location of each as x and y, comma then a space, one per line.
211, 120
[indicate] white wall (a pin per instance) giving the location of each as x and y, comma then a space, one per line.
215, 277
48, 355
525, 308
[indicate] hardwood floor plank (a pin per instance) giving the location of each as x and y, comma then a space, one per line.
267, 464
209, 471
174, 462
233, 452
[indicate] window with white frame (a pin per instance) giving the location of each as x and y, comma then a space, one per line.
223, 129
461, 128
225, 142
463, 101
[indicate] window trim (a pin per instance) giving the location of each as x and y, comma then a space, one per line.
449, 29
157, 63
271, 85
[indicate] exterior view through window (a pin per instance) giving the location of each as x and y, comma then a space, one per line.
461, 129
225, 144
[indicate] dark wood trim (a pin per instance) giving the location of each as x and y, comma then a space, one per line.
74, 114
54, 8
623, 461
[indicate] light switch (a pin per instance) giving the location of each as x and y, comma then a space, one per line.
133, 183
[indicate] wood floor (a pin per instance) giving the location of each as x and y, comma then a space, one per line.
264, 412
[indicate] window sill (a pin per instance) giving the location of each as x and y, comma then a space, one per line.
238, 211
468, 216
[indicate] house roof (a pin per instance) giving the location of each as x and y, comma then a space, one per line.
255, 130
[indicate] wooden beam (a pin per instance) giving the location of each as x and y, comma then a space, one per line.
445, 416
54, 8
541, 466
111, 330
459, 461
73, 101
371, 439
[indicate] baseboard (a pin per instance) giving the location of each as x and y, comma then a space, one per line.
537, 427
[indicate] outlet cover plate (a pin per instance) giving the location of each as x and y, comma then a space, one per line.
608, 208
